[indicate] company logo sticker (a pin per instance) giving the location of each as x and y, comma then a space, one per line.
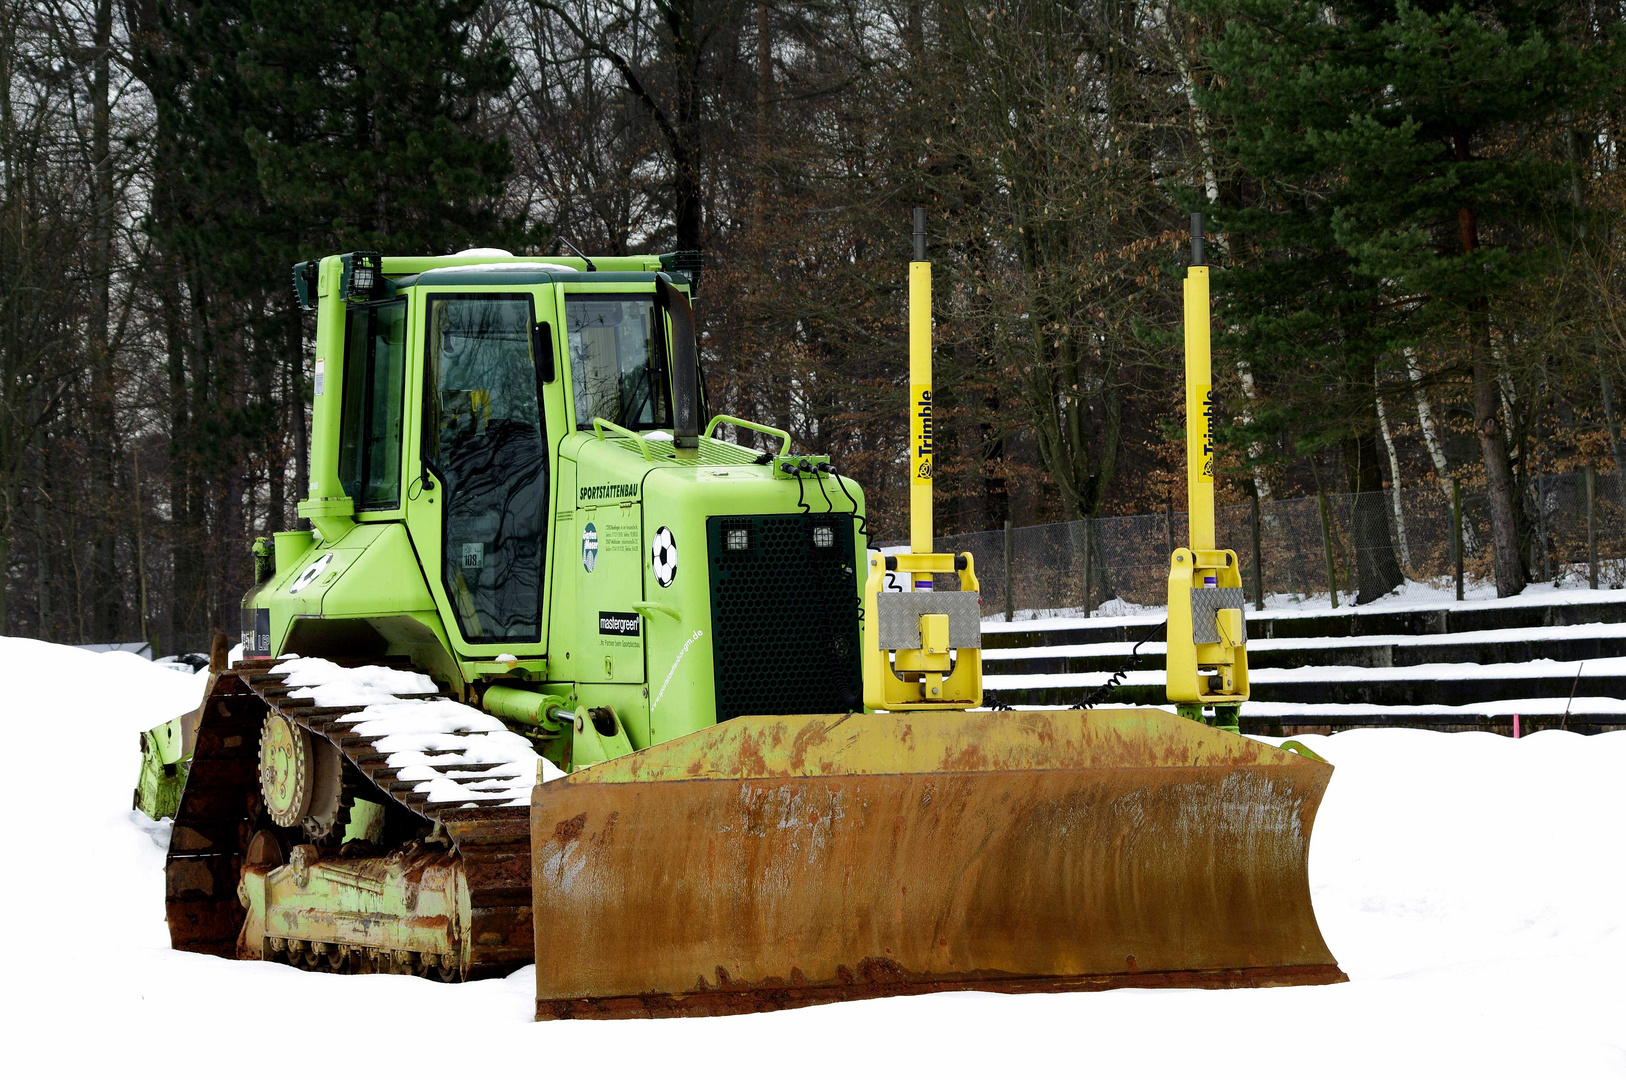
589, 548
1205, 433
663, 557
618, 623
602, 492
920, 432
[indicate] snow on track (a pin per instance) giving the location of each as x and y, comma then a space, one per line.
426, 741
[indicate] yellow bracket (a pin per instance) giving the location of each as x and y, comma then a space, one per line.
936, 675
1202, 669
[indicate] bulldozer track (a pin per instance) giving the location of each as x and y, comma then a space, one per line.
222, 805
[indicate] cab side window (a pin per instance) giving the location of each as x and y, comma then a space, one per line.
617, 360
370, 425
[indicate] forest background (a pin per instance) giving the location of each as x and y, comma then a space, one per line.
1416, 217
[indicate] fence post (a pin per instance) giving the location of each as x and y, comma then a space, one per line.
1326, 545
1541, 531
1592, 525
1089, 552
1170, 552
1010, 599
1258, 559
1456, 530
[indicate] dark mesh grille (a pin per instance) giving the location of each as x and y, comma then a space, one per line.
784, 616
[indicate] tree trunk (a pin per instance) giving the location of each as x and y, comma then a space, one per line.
1612, 423
686, 189
1394, 484
106, 590
1436, 450
42, 570
1376, 571
1499, 486
764, 119
5, 574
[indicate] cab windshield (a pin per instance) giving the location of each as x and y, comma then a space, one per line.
617, 360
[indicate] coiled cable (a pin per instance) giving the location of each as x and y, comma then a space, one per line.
1099, 694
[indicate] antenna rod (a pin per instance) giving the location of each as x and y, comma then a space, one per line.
579, 254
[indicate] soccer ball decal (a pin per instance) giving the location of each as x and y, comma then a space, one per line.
314, 570
663, 557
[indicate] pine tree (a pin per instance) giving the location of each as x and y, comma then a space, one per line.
370, 129
1405, 145
288, 131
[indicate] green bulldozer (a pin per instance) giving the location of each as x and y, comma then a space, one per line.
559, 675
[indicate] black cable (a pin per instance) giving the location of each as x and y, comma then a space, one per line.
1099, 694
822, 491
801, 491
863, 522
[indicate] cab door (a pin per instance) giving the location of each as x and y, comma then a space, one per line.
487, 463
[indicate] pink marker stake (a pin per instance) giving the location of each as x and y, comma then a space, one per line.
1515, 725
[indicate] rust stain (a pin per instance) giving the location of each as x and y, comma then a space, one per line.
738, 998
880, 969
749, 760
809, 737
969, 758
566, 831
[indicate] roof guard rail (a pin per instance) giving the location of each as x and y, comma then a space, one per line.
724, 418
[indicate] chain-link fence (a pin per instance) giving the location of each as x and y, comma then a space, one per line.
1303, 545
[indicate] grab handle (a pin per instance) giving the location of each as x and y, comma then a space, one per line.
600, 425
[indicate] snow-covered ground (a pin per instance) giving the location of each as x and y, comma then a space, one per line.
1473, 887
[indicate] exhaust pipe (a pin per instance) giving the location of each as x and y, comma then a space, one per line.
685, 366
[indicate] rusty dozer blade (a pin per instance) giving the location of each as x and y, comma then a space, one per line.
772, 862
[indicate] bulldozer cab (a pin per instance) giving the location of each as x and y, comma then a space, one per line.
511, 487
446, 390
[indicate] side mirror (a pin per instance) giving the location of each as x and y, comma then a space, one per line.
542, 352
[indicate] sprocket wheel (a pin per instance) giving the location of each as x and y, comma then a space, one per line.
304, 780
285, 770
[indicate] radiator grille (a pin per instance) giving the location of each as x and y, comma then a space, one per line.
784, 616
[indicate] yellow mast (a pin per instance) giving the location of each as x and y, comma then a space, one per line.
1199, 397
922, 649
920, 400
1207, 660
